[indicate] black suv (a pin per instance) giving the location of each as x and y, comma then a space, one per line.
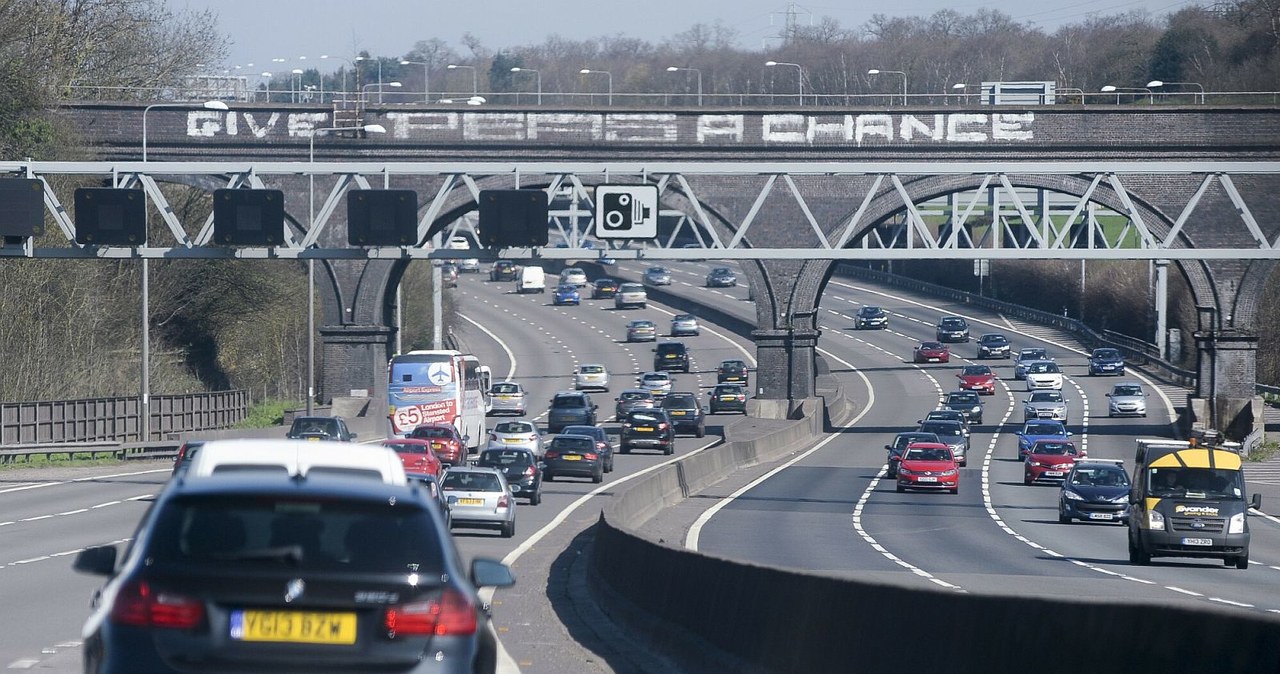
994, 345
967, 403
320, 428
671, 356
686, 412
568, 408
648, 429
952, 329
731, 372
520, 467
214, 578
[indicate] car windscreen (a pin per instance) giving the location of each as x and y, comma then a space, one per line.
1127, 391
568, 402
976, 371
296, 534
679, 402
503, 458
1203, 483
1054, 449
926, 454
442, 433
1046, 397
513, 427
1106, 354
952, 323
505, 388
591, 369
1100, 476
467, 480
1044, 367
943, 429
645, 418
1043, 429
406, 447
966, 398
573, 443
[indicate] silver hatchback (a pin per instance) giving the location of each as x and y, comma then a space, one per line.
1127, 399
479, 498
507, 397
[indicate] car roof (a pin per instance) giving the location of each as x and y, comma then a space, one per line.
256, 482
297, 458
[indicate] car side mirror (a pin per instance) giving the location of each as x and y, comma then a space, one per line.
1256, 503
889, 447
491, 573
354, 436
1108, 395
97, 561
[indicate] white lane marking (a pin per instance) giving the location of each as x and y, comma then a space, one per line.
55, 555
511, 357
23, 663
82, 479
875, 545
695, 532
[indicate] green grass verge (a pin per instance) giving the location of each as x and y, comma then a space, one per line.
268, 413
1266, 450
60, 461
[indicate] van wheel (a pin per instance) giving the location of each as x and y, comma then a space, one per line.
1242, 562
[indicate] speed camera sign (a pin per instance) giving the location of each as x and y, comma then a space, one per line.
627, 211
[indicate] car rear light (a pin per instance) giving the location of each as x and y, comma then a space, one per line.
140, 605
530, 471
662, 426
451, 614
591, 456
600, 445
504, 502
551, 455
493, 436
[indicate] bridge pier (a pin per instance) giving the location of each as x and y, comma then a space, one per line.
785, 370
355, 359
1226, 385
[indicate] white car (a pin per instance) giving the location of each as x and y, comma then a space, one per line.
574, 276
516, 434
630, 295
591, 375
1043, 374
657, 383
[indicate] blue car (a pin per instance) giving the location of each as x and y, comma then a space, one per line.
1040, 429
566, 293
1106, 361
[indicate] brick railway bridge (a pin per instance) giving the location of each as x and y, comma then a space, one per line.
788, 192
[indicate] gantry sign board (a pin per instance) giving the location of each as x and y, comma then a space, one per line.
627, 211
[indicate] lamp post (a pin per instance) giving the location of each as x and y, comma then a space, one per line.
267, 76
426, 77
957, 87
1110, 88
1153, 84
606, 73
474, 81
366, 58
144, 409
344, 71
876, 71
295, 83
537, 73
380, 86
676, 69
799, 71
311, 263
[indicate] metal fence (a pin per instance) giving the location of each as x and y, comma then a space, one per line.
93, 420
631, 99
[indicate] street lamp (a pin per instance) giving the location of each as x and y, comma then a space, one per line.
606, 73
799, 70
1110, 88
295, 83
380, 86
875, 71
474, 82
676, 69
536, 72
268, 76
144, 409
1157, 83
311, 263
955, 87
426, 77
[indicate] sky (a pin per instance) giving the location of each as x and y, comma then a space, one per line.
262, 30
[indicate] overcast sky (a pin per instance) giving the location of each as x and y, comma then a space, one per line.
261, 30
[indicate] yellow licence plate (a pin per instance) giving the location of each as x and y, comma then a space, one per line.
511, 439
645, 429
678, 413
470, 501
294, 627
671, 355
571, 457
727, 398
313, 439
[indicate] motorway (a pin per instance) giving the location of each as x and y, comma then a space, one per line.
827, 510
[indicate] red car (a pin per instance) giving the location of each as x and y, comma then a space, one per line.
978, 378
928, 465
445, 442
1050, 460
931, 352
416, 455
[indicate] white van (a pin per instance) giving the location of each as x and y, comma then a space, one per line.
531, 280
299, 458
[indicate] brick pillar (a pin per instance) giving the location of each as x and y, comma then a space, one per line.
355, 357
785, 367
1228, 379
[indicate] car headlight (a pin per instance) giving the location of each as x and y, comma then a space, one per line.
1155, 521
1036, 464
947, 473
905, 471
1123, 498
1236, 525
1072, 496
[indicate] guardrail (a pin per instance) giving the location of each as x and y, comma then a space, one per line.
1135, 354
91, 450
116, 419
